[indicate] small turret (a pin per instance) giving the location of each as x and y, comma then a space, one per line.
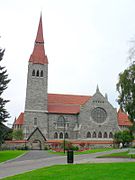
106, 96
97, 90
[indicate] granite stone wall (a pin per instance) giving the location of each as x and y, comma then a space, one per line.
89, 124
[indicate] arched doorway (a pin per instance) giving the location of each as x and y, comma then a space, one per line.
36, 145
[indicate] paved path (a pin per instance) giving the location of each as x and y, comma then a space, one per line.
33, 155
38, 159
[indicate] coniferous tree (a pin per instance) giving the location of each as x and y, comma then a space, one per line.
3, 85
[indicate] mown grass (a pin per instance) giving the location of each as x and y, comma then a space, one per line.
7, 155
104, 171
82, 152
117, 155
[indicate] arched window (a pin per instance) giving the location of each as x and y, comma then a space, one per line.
99, 135
94, 135
55, 135
111, 135
66, 135
33, 72
105, 135
61, 135
41, 74
88, 135
61, 121
37, 73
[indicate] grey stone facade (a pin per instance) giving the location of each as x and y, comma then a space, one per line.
97, 127
54, 127
36, 103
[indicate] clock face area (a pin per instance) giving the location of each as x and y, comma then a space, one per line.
99, 115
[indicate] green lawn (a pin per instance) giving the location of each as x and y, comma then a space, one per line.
7, 155
104, 171
83, 152
120, 154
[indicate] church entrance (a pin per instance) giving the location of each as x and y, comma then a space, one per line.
36, 145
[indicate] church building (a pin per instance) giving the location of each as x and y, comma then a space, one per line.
56, 116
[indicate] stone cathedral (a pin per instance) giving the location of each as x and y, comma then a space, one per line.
57, 116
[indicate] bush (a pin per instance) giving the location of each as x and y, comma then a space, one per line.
74, 148
18, 134
46, 148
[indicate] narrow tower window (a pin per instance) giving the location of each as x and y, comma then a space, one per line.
35, 121
41, 74
33, 72
37, 73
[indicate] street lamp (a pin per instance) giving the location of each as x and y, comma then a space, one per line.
64, 121
64, 135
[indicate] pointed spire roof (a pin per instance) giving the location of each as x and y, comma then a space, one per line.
97, 90
38, 55
40, 38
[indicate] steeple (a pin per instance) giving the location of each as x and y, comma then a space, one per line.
40, 38
97, 90
38, 55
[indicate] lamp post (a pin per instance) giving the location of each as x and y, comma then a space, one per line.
64, 134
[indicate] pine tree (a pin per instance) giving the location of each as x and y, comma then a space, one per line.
3, 85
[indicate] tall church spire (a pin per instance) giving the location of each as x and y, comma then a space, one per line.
38, 55
40, 38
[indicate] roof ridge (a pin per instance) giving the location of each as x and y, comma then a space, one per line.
69, 95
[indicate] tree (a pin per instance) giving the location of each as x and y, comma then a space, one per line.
124, 137
126, 89
3, 85
18, 134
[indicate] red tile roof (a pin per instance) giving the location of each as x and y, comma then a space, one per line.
123, 119
40, 38
20, 120
66, 104
38, 56
67, 99
65, 109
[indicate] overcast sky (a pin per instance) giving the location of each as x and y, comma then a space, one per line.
86, 41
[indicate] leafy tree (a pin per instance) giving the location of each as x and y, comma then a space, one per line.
18, 134
3, 85
124, 137
126, 89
